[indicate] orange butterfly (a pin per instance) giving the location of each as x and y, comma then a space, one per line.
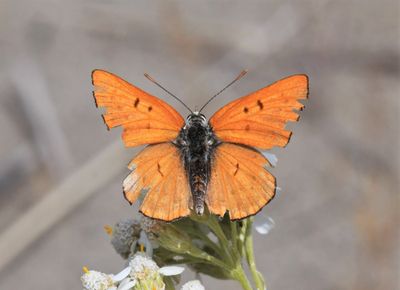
194, 162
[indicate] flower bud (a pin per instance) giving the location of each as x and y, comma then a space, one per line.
124, 234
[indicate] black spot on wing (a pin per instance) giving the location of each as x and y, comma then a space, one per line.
136, 103
260, 105
159, 169
237, 169
246, 110
149, 108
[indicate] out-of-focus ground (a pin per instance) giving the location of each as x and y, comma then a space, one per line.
338, 215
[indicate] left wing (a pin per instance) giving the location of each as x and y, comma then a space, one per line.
159, 170
145, 118
259, 118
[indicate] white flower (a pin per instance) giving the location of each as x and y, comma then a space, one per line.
193, 285
144, 271
142, 266
94, 280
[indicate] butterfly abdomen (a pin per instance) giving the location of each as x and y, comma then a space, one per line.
198, 179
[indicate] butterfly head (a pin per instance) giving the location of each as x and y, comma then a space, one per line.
196, 118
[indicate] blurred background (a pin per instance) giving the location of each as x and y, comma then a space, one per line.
337, 218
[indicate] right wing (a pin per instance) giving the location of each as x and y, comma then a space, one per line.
239, 182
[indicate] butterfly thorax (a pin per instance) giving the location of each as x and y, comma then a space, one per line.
197, 143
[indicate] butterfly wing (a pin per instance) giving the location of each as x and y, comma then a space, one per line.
144, 118
159, 170
239, 182
259, 119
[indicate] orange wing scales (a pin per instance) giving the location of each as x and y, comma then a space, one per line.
138, 112
259, 118
239, 182
159, 169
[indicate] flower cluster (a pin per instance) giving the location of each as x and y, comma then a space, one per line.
142, 273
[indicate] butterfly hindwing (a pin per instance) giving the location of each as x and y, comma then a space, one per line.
239, 182
259, 118
159, 170
144, 118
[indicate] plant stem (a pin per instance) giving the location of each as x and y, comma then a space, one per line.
242, 238
258, 280
235, 242
169, 283
239, 275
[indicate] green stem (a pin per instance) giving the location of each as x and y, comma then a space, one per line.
210, 259
235, 242
257, 277
169, 283
242, 237
216, 228
239, 275
234, 234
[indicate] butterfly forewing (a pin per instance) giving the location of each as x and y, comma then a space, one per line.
144, 118
259, 118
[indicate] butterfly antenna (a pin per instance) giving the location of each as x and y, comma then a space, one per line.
155, 82
243, 72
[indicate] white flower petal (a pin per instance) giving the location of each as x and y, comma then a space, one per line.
193, 285
144, 240
125, 281
271, 158
121, 275
126, 284
171, 270
112, 288
263, 224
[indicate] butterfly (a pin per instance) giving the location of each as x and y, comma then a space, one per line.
193, 163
